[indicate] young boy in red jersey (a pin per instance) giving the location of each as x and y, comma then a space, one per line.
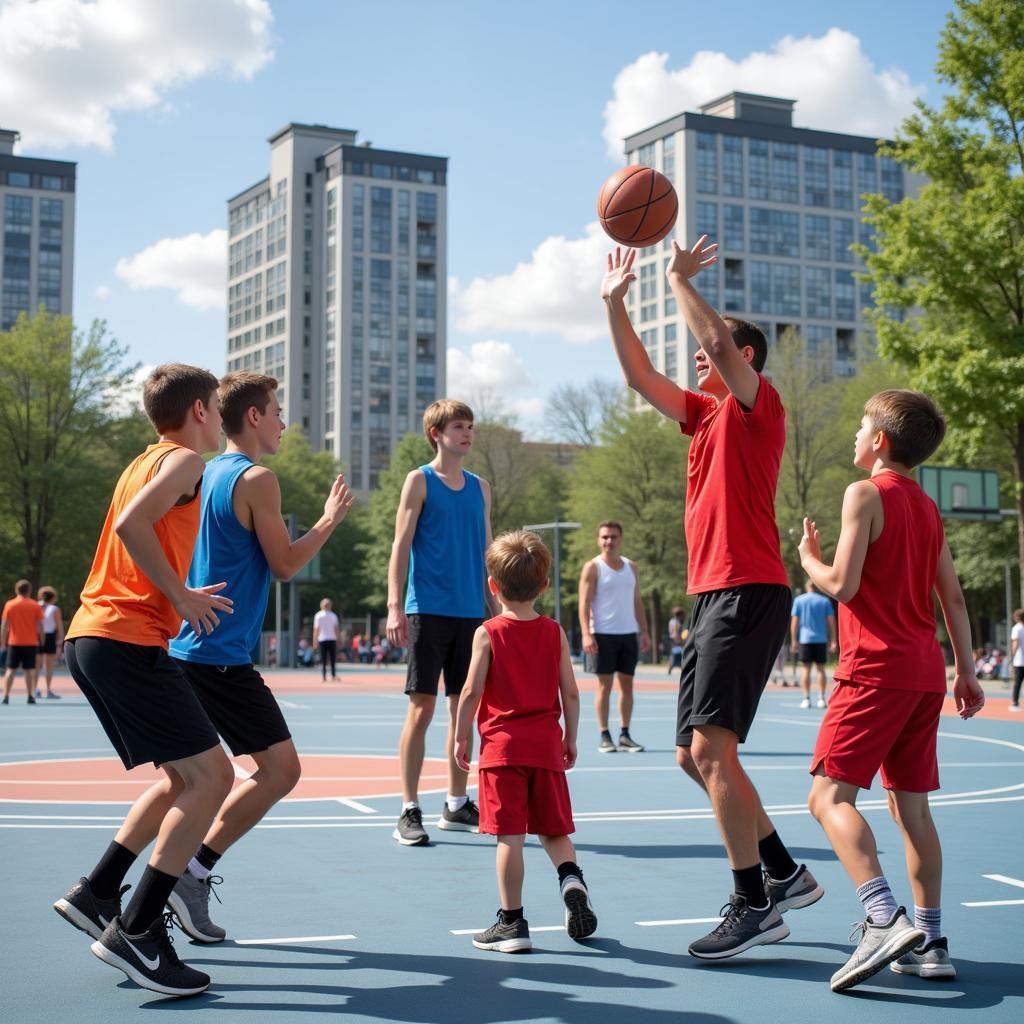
891, 557
521, 679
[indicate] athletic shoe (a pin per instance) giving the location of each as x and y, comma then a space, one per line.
149, 959
1012, 707
742, 927
799, 891
39, 694
580, 919
821, 702
806, 702
626, 742
53, 696
190, 903
31, 700
879, 945
607, 744
81, 907
6, 700
928, 961
410, 830
465, 819
505, 938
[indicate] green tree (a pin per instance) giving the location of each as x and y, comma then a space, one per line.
949, 271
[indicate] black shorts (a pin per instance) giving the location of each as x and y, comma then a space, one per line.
813, 654
616, 652
735, 636
21, 656
239, 704
439, 643
145, 704
49, 644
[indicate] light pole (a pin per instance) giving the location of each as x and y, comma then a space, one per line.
557, 527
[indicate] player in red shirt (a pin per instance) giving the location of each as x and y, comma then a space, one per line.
891, 557
521, 679
743, 601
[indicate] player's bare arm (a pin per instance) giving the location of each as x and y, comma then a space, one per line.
664, 394
569, 693
410, 505
258, 507
588, 587
710, 330
472, 691
491, 602
861, 523
175, 483
640, 611
967, 691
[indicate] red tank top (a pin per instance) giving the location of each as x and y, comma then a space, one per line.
887, 633
520, 711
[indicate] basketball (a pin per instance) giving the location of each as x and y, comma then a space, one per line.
637, 206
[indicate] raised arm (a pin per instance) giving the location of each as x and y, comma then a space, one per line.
569, 693
710, 330
472, 691
665, 395
967, 691
588, 587
410, 504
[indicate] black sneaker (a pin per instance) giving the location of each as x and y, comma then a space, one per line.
607, 744
580, 919
800, 891
81, 907
626, 742
505, 938
31, 700
465, 819
741, 928
149, 959
410, 830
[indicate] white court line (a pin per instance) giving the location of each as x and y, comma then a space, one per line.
1006, 880
357, 806
291, 704
995, 903
542, 928
240, 772
679, 920
292, 939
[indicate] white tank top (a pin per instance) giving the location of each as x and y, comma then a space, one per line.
614, 606
49, 617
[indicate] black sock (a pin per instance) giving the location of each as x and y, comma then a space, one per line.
510, 916
775, 857
749, 883
624, 731
567, 868
107, 876
207, 857
606, 732
148, 902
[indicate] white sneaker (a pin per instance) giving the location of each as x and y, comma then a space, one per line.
821, 702
1014, 707
806, 702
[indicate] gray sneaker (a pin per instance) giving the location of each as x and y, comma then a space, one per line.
928, 961
800, 891
879, 945
742, 928
607, 744
580, 919
410, 830
505, 938
190, 903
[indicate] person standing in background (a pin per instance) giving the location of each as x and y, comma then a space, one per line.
53, 638
325, 638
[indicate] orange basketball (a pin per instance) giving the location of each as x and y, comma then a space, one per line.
637, 206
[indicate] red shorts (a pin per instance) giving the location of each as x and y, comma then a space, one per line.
515, 801
872, 727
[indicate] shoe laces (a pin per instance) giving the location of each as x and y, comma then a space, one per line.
208, 883
415, 816
730, 914
165, 941
860, 929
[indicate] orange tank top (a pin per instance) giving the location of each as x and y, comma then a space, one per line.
119, 601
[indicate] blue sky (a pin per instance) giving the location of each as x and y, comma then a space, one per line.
166, 109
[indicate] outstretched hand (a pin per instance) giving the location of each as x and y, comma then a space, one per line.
688, 263
810, 542
616, 280
339, 501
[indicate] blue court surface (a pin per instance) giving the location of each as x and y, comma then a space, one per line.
327, 915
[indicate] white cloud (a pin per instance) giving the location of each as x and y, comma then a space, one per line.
556, 292
102, 291
489, 367
835, 84
67, 66
195, 266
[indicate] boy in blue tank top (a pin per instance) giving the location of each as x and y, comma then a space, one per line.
242, 536
442, 530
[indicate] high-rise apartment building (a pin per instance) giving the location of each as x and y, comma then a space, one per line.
784, 204
37, 202
337, 270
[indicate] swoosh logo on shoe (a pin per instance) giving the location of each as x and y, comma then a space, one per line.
103, 920
151, 964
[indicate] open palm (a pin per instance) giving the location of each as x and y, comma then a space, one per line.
615, 282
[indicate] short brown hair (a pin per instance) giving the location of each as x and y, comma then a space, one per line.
745, 333
238, 393
518, 562
610, 524
22, 587
47, 594
171, 389
442, 412
910, 420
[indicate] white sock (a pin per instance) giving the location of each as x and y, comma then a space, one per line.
196, 870
879, 902
408, 805
929, 920
456, 803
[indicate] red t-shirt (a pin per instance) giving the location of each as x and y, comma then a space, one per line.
731, 477
22, 615
520, 711
887, 629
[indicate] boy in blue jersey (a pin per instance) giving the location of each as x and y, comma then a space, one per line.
812, 627
242, 536
442, 530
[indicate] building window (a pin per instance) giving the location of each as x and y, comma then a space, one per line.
380, 220
707, 220
358, 216
733, 233
706, 282
426, 207
668, 157
842, 239
819, 292
760, 286
707, 162
671, 356
867, 177
842, 179
732, 166
819, 341
786, 289
846, 295
19, 179
645, 155
648, 282
403, 222
758, 180
16, 258
817, 237
892, 179
735, 291
51, 182
785, 173
815, 176
774, 232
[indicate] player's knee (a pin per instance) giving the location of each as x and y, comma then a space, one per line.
287, 775
685, 761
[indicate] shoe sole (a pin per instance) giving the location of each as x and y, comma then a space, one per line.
580, 919
776, 934
188, 926
882, 957
506, 945
801, 900
113, 960
76, 918
942, 972
607, 750
456, 826
632, 750
424, 840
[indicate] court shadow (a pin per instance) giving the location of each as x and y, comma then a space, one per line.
690, 851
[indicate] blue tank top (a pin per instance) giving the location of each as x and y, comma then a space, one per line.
227, 552
446, 562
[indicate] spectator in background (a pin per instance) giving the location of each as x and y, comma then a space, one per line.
812, 627
1017, 654
325, 637
21, 636
53, 638
675, 640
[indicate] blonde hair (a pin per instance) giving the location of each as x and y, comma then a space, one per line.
439, 414
518, 562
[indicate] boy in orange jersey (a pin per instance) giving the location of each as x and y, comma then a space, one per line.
521, 679
891, 558
21, 636
134, 601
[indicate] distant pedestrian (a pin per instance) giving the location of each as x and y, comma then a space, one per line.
325, 637
1017, 654
21, 636
53, 637
812, 631
675, 640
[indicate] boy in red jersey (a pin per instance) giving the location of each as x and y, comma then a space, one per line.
891, 557
521, 678
743, 601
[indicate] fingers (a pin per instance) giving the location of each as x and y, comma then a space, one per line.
630, 256
213, 588
698, 245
